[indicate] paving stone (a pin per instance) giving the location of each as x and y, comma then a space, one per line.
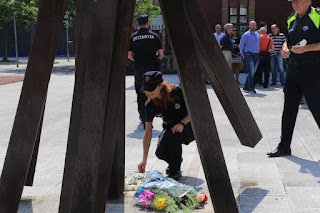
258, 170
261, 185
304, 198
303, 178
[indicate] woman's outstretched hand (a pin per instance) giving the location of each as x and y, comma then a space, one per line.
142, 166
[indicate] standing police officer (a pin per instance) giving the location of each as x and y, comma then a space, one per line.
303, 73
146, 51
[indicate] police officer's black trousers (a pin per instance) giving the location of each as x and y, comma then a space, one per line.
141, 100
169, 146
300, 80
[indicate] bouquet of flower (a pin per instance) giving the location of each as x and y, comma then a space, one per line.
133, 183
160, 193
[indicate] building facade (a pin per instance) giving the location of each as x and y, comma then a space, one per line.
241, 12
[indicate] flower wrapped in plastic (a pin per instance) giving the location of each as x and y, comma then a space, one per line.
168, 194
144, 197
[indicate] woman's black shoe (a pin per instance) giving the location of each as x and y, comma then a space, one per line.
279, 152
175, 175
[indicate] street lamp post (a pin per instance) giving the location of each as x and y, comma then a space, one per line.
67, 32
15, 34
67, 29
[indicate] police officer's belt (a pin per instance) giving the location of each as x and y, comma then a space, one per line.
169, 124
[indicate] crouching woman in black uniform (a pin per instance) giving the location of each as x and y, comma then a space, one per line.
166, 101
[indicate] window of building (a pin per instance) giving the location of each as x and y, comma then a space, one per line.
238, 14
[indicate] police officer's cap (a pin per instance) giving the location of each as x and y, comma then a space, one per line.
143, 19
151, 80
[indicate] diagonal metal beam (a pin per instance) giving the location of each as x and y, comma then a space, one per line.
33, 162
95, 33
117, 178
199, 108
31, 103
220, 76
100, 70
115, 109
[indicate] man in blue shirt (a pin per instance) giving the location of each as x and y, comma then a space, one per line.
249, 49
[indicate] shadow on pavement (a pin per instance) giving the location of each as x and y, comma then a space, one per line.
64, 70
115, 205
131, 88
307, 166
304, 106
138, 133
61, 70
25, 206
192, 181
250, 198
256, 95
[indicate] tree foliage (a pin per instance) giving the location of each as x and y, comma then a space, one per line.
149, 7
70, 13
26, 13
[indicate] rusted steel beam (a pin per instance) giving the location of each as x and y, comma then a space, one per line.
117, 178
31, 104
33, 162
220, 76
97, 97
115, 109
96, 22
198, 106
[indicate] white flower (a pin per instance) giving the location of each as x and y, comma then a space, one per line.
303, 43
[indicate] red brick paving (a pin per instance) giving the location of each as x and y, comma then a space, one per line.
10, 79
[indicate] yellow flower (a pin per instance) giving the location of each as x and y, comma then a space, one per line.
161, 204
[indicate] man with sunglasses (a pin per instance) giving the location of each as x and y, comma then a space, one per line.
303, 73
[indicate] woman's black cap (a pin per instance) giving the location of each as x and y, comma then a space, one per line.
151, 80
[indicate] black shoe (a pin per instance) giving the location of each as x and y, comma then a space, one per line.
175, 175
253, 91
246, 89
265, 86
273, 84
279, 152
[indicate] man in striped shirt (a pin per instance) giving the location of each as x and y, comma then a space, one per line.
276, 59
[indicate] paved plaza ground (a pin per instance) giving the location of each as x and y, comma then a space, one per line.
260, 184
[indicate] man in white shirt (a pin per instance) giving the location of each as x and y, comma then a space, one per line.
218, 34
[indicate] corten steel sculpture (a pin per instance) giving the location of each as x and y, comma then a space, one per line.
96, 136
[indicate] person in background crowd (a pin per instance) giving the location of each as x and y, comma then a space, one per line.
249, 49
146, 51
166, 101
226, 43
262, 24
218, 34
303, 72
258, 74
236, 56
276, 58
266, 47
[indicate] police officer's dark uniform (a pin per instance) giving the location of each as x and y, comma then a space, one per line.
144, 45
169, 146
303, 76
